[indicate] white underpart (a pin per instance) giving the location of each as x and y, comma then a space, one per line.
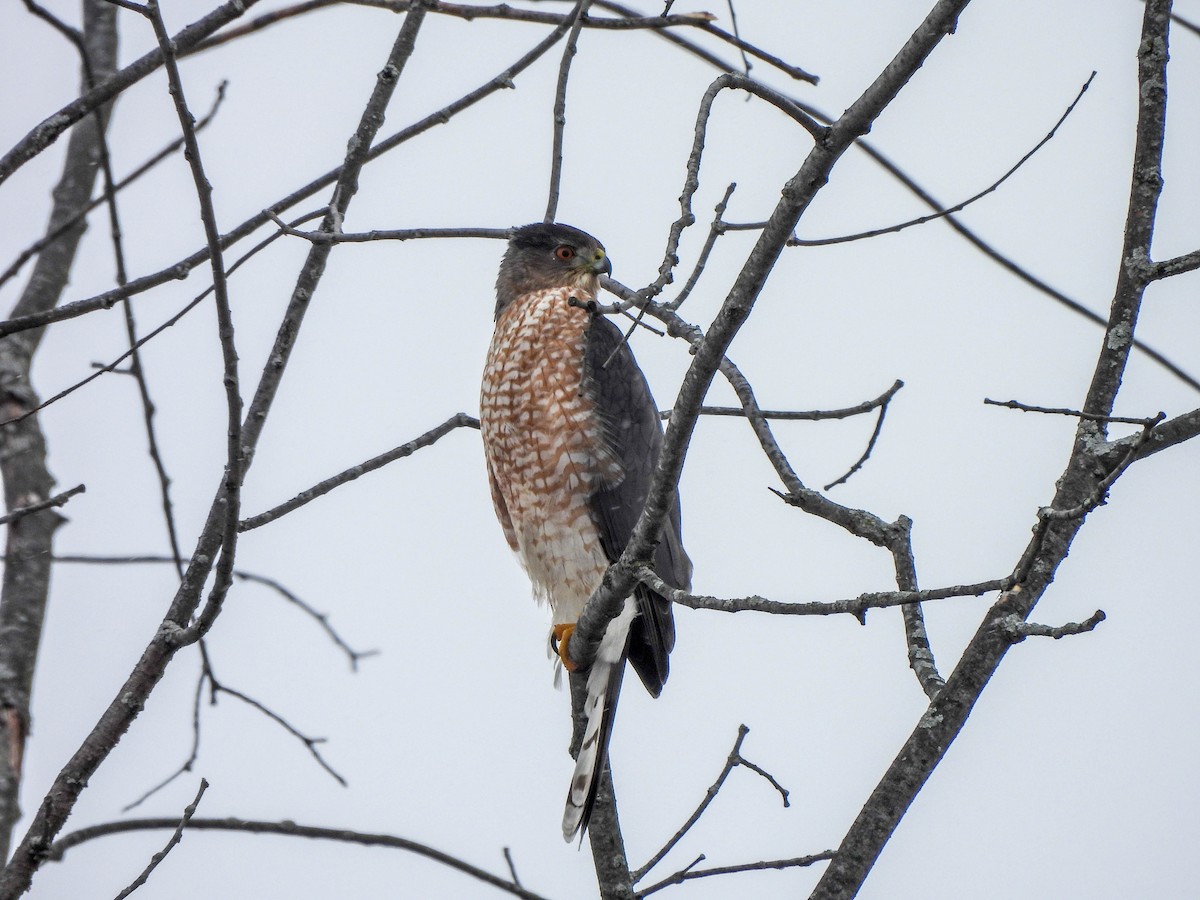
547, 452
546, 449
609, 659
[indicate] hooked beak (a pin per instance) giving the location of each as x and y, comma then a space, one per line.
601, 264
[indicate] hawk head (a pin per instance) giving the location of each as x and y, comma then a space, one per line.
546, 256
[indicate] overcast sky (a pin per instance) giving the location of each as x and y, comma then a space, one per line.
1075, 776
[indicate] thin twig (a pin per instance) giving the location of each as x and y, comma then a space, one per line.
1185, 23
52, 127
958, 207
715, 230
176, 836
746, 65
734, 760
1017, 629
229, 495
106, 368
804, 415
727, 81
883, 408
136, 370
193, 755
688, 874
55, 501
310, 743
430, 437
320, 618
182, 268
59, 848
72, 34
560, 107
853, 606
241, 574
1075, 413
512, 868
385, 234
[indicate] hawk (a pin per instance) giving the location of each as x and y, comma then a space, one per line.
571, 436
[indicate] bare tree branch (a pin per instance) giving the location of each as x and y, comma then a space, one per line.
176, 835
690, 873
59, 848
958, 207
175, 630
949, 709
715, 230
432, 436
866, 454
386, 234
854, 606
1018, 630
1099, 494
808, 415
896, 172
235, 458
310, 743
560, 107
57, 500
193, 754
1062, 411
470, 12
1189, 262
37, 246
734, 760
27, 481
21, 322
52, 128
150, 335
797, 194
1169, 434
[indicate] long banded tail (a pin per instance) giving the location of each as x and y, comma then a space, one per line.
600, 705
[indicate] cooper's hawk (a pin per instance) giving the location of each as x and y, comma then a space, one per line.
572, 436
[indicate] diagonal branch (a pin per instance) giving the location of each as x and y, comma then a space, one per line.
432, 436
21, 321
958, 207
175, 630
949, 709
52, 127
176, 836
734, 760
37, 246
797, 194
54, 502
26, 479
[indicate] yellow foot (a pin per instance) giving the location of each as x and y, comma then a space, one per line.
561, 637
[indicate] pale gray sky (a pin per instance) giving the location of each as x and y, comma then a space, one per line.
1074, 778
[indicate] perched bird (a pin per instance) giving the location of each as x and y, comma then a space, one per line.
572, 436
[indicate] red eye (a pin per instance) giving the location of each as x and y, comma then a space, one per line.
564, 252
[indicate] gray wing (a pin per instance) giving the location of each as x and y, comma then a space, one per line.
622, 399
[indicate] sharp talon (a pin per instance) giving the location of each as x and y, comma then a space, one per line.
559, 640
